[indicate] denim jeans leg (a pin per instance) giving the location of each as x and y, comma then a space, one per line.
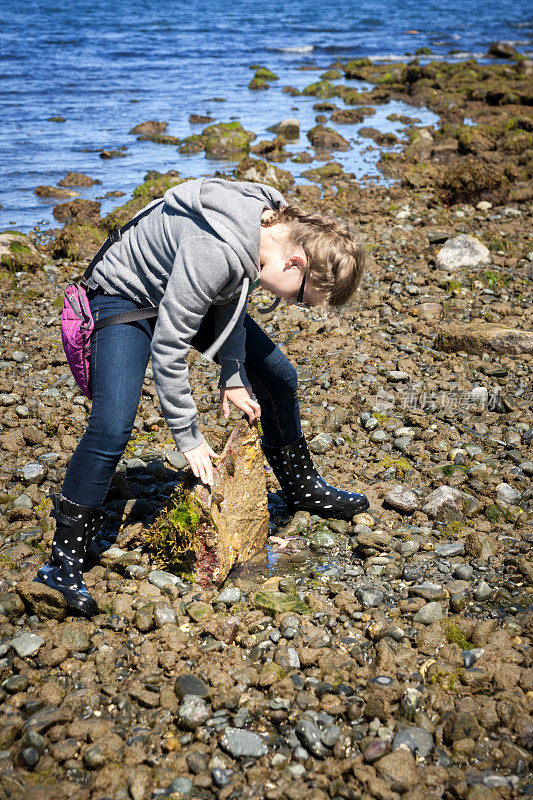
119, 356
273, 379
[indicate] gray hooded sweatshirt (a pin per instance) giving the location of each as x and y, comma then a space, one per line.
198, 248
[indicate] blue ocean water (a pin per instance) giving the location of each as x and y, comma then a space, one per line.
106, 66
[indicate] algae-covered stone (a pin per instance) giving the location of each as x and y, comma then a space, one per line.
471, 180
266, 74
321, 89
323, 138
278, 603
79, 212
77, 242
192, 144
18, 253
154, 186
258, 84
42, 600
149, 128
226, 139
252, 169
198, 610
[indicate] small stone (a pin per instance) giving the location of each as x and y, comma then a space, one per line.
176, 459
29, 474
323, 540
181, 786
445, 504
449, 550
458, 602
27, 644
278, 602
23, 501
427, 591
330, 735
16, 683
462, 251
506, 494
310, 736
376, 750
19, 356
402, 499
471, 656
93, 757
368, 597
229, 596
221, 777
243, 744
321, 443
417, 739
164, 613
188, 684
428, 614
30, 757
463, 572
482, 592
161, 579
193, 712
397, 376
198, 610
287, 658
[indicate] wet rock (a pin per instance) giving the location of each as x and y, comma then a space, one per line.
369, 597
480, 545
323, 540
482, 592
462, 725
324, 138
402, 499
428, 614
161, 579
149, 128
287, 658
189, 684
278, 603
29, 474
42, 600
243, 744
54, 191
229, 596
502, 50
164, 614
76, 179
427, 591
418, 740
310, 736
193, 712
450, 549
27, 644
506, 494
11, 605
321, 443
445, 504
289, 128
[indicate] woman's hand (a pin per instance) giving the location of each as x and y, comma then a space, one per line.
200, 460
241, 397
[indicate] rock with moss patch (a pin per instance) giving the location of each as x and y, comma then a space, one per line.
18, 253
256, 170
278, 602
226, 139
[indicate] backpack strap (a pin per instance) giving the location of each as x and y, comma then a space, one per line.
116, 236
126, 316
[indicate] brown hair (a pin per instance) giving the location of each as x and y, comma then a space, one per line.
336, 254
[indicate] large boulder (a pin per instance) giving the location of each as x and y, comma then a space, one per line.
481, 337
18, 253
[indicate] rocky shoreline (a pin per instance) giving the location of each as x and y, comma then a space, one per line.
385, 658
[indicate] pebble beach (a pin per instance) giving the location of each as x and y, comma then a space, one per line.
383, 658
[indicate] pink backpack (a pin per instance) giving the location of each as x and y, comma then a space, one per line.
77, 323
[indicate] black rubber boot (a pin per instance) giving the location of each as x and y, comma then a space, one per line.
76, 527
304, 489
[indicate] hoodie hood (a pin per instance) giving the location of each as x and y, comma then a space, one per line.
233, 211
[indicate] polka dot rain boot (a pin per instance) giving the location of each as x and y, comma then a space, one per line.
76, 526
304, 489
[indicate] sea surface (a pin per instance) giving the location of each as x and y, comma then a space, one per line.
106, 66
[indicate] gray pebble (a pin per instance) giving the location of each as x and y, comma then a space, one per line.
27, 644
243, 744
428, 614
229, 596
482, 592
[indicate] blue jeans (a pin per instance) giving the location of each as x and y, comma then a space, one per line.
119, 357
